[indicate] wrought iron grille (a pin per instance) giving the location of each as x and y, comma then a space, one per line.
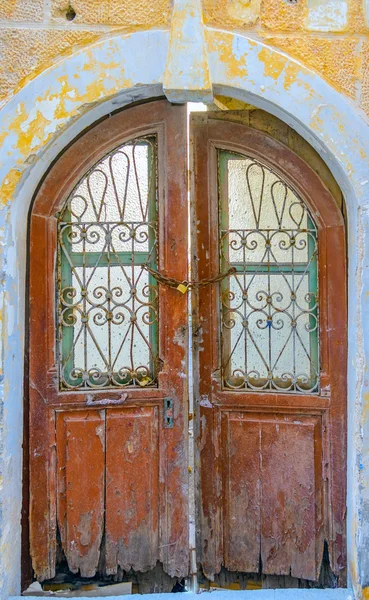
107, 304
269, 307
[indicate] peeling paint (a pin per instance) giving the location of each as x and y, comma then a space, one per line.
327, 15
187, 44
234, 62
9, 185
244, 12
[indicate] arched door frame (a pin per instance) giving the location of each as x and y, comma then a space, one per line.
49, 111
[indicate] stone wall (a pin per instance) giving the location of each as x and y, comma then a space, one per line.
330, 36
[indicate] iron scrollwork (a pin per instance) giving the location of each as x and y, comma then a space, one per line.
107, 305
269, 307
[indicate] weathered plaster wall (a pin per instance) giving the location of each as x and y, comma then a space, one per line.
326, 35
35, 33
330, 36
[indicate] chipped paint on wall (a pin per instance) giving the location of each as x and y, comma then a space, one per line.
245, 12
327, 15
95, 75
27, 52
34, 37
188, 78
365, 593
334, 60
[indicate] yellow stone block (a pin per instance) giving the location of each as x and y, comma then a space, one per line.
357, 20
278, 15
26, 52
333, 58
22, 10
231, 13
327, 15
364, 100
127, 13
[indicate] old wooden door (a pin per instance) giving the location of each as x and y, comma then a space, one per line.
108, 364
271, 355
107, 381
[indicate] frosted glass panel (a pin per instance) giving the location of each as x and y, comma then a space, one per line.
107, 301
110, 337
270, 331
260, 202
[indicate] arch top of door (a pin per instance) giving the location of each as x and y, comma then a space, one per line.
84, 152
237, 137
84, 86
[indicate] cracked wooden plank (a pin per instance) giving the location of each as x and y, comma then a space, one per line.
291, 482
132, 489
81, 487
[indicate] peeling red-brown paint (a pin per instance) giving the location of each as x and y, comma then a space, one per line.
272, 466
102, 463
132, 489
272, 477
80, 484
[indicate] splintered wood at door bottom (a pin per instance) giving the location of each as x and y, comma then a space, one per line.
268, 495
235, 580
108, 489
272, 494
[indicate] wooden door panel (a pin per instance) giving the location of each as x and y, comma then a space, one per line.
290, 526
157, 527
272, 473
80, 441
132, 489
242, 492
272, 490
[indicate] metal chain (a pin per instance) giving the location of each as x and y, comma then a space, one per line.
184, 286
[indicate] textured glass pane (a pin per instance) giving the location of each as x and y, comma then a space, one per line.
260, 202
270, 307
115, 191
108, 305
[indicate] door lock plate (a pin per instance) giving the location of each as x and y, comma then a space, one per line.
168, 412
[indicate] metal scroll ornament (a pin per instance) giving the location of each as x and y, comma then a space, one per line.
107, 304
269, 307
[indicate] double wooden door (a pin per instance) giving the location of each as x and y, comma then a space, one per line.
109, 378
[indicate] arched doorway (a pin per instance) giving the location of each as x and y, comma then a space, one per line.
86, 416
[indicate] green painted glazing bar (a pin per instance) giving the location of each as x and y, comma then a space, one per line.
102, 259
313, 288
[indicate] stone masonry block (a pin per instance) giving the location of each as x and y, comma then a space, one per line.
231, 13
280, 15
127, 13
333, 58
358, 16
327, 15
22, 10
364, 100
25, 52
